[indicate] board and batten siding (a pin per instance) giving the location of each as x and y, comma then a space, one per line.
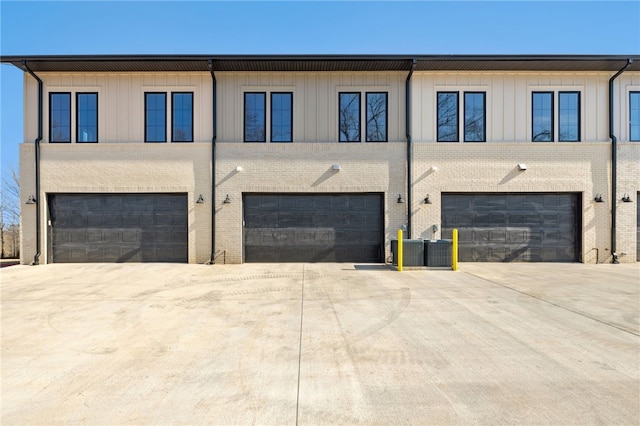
508, 102
120, 102
315, 101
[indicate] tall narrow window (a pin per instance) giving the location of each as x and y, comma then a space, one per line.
448, 117
569, 116
255, 117
376, 116
634, 116
349, 117
155, 117
475, 117
86, 117
281, 117
542, 120
59, 117
182, 117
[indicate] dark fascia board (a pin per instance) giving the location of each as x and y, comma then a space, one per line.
182, 63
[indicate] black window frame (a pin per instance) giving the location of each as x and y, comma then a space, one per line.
173, 111
264, 117
552, 115
51, 95
359, 115
146, 138
484, 115
78, 94
578, 112
457, 116
631, 116
271, 124
386, 116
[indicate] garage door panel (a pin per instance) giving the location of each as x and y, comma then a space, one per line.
313, 228
513, 227
119, 227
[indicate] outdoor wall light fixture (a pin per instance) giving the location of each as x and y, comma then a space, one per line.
598, 198
336, 167
400, 199
227, 200
627, 199
434, 168
31, 200
522, 167
200, 200
427, 200
239, 169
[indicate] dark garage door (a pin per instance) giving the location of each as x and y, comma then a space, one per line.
530, 227
313, 228
118, 227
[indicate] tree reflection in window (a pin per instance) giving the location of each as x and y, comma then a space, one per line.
182, 116
474, 117
542, 120
447, 116
376, 117
254, 117
349, 117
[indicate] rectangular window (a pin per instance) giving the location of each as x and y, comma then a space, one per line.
634, 116
181, 117
475, 117
542, 120
281, 117
568, 116
376, 116
86, 117
448, 117
59, 117
155, 117
255, 111
349, 117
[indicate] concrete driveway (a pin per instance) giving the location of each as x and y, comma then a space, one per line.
308, 344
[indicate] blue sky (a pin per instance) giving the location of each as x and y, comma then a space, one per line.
301, 27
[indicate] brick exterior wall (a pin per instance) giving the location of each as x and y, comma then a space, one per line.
121, 162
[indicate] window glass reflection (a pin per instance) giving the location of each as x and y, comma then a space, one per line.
447, 116
182, 129
349, 119
281, 117
87, 117
474, 117
376, 117
542, 124
60, 117
254, 117
634, 116
155, 117
569, 116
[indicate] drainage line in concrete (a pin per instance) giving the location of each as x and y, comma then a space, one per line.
556, 305
300, 346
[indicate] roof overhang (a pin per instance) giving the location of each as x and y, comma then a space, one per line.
256, 63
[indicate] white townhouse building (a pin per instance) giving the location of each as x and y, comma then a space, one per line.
322, 158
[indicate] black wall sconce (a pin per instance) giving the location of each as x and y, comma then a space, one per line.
598, 198
227, 200
31, 200
627, 199
400, 199
200, 200
427, 200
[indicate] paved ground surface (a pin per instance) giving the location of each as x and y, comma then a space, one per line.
320, 344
